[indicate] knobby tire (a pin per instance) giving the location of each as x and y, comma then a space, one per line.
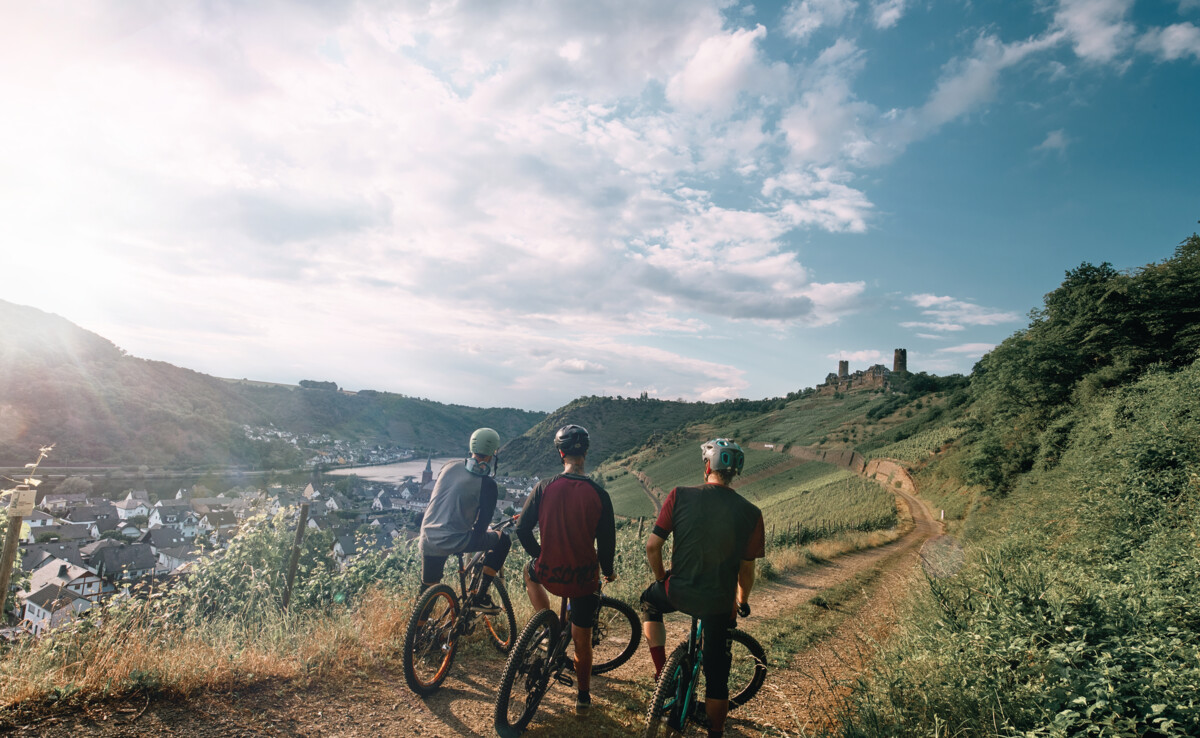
665, 714
527, 674
747, 669
431, 640
502, 628
615, 637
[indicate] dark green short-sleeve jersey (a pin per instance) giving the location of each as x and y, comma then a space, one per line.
715, 530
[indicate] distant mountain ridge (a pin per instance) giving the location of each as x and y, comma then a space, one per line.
62, 384
617, 425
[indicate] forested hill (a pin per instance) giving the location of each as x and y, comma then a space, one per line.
64, 385
1075, 487
617, 425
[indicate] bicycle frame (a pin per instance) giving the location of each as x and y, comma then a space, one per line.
685, 691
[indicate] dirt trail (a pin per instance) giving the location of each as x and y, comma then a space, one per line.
795, 700
655, 494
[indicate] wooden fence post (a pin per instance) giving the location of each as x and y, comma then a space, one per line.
641, 525
6, 562
295, 558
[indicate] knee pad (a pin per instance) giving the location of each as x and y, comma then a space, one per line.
650, 613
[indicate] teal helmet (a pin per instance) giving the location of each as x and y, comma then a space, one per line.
723, 454
485, 442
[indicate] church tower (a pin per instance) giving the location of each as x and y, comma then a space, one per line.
427, 475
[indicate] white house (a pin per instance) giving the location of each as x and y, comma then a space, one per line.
132, 507
40, 519
79, 579
54, 502
52, 606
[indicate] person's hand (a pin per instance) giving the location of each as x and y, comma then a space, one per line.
743, 609
610, 578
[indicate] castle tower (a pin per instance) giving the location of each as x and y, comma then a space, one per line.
900, 361
843, 369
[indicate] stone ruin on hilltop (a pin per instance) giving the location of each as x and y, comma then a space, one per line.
876, 376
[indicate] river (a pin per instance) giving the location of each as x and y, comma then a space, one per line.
394, 473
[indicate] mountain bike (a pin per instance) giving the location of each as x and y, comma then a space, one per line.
443, 616
675, 700
542, 656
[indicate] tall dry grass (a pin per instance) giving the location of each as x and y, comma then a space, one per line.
137, 650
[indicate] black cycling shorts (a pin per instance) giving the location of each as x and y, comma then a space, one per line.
581, 611
495, 543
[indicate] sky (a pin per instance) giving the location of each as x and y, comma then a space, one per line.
520, 203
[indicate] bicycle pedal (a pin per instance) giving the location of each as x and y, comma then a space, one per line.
564, 679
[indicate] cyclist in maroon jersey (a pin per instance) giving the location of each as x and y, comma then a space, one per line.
718, 535
573, 513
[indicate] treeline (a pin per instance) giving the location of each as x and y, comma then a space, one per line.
1100, 329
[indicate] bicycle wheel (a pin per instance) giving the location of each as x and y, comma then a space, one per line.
431, 640
747, 669
673, 693
615, 636
502, 628
526, 675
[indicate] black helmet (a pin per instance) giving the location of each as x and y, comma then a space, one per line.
723, 454
571, 440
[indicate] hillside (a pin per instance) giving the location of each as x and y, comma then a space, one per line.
1075, 486
61, 384
617, 426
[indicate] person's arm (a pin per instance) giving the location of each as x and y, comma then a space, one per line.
487, 507
756, 548
658, 537
745, 581
527, 522
606, 536
654, 548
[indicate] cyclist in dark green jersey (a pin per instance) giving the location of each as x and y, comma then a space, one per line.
718, 535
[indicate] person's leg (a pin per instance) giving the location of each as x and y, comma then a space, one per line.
497, 548
583, 615
583, 656
654, 603
538, 597
716, 672
431, 570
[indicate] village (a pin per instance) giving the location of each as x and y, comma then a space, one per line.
78, 550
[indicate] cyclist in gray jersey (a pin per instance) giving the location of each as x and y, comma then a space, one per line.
458, 515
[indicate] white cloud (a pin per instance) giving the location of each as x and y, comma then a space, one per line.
947, 314
887, 13
1173, 42
1056, 142
725, 66
1097, 29
858, 357
575, 366
945, 327
803, 17
969, 350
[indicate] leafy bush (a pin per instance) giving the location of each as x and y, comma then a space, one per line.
1078, 614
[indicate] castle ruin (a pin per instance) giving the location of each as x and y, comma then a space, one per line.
876, 376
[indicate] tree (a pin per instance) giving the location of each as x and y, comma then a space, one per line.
75, 486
